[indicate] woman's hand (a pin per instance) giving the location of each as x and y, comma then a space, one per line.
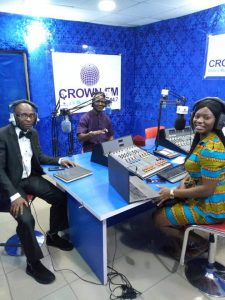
164, 195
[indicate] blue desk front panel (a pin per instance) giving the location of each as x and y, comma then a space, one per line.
89, 237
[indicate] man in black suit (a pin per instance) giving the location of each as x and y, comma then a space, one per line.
21, 174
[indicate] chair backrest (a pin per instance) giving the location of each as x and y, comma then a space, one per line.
151, 132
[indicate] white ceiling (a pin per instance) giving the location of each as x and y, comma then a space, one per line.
128, 13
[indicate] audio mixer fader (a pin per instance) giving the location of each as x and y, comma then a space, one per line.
139, 161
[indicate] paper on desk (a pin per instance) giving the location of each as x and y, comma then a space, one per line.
178, 160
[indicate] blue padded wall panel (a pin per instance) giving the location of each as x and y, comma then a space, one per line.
171, 54
13, 84
165, 54
68, 36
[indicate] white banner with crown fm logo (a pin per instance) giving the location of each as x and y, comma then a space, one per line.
77, 76
215, 61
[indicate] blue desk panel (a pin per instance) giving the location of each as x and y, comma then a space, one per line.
94, 192
89, 236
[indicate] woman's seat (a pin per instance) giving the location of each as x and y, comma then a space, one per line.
206, 274
151, 132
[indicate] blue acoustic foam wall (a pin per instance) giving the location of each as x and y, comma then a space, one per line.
171, 54
68, 36
165, 54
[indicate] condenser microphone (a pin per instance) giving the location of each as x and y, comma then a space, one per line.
180, 121
66, 125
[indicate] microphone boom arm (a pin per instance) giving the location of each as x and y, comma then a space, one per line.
68, 111
65, 112
181, 100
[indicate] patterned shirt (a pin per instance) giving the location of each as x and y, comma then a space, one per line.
208, 161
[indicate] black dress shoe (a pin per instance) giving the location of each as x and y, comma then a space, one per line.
40, 273
55, 240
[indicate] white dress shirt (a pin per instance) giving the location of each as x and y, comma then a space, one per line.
27, 153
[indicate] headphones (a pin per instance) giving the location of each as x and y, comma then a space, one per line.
220, 122
13, 105
94, 94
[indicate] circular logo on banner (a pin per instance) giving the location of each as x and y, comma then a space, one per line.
89, 74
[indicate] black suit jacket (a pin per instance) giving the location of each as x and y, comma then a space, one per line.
11, 167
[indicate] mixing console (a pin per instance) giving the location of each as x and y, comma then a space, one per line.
140, 162
177, 140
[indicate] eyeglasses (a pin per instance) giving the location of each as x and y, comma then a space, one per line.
24, 117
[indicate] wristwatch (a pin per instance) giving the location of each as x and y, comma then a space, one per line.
172, 194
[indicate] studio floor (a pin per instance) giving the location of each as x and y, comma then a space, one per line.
130, 251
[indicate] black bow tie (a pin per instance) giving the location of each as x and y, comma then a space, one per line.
26, 134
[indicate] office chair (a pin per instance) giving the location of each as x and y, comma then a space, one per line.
206, 274
151, 132
13, 246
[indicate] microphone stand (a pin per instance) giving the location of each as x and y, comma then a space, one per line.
55, 140
65, 112
55, 149
164, 101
